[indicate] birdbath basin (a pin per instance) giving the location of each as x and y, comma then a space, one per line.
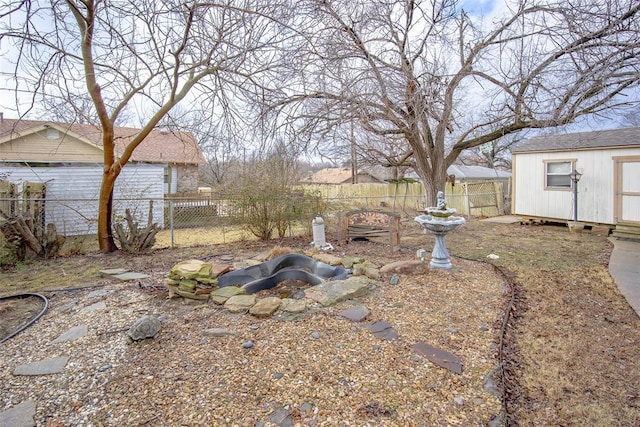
439, 221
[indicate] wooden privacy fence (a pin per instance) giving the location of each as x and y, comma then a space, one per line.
28, 201
484, 198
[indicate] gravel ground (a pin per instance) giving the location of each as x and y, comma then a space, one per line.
320, 368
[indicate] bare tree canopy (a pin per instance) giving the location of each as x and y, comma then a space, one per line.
433, 80
141, 56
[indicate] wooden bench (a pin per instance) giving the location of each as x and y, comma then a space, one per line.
365, 224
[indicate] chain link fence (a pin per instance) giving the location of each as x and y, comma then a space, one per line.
205, 219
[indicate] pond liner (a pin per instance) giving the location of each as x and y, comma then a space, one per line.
32, 320
285, 267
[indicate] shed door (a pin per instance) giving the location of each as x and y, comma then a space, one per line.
627, 182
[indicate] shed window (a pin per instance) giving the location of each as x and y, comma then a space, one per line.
557, 174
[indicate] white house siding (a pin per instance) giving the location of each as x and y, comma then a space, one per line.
72, 193
595, 189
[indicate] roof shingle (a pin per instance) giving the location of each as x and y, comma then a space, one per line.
158, 147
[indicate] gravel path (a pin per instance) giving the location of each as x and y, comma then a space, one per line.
317, 368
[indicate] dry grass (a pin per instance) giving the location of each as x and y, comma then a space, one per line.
578, 338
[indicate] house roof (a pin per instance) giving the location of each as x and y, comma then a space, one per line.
334, 176
583, 140
158, 147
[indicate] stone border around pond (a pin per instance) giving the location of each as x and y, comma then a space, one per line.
195, 279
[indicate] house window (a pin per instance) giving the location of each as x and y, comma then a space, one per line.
557, 174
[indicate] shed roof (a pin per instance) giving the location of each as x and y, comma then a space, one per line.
582, 140
462, 172
159, 146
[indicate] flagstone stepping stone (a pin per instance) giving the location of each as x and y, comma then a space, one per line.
240, 303
72, 334
99, 293
113, 271
20, 415
54, 365
265, 307
221, 295
125, 277
291, 305
440, 357
101, 305
356, 313
330, 293
382, 330
218, 332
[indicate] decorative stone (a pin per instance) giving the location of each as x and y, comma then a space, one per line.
357, 313
217, 332
405, 267
146, 327
382, 330
43, 367
101, 305
291, 305
247, 344
72, 334
281, 417
190, 295
126, 277
330, 293
240, 303
362, 270
113, 271
188, 269
265, 307
349, 261
21, 415
439, 357
328, 258
395, 279
221, 295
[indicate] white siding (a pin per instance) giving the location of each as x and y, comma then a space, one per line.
595, 189
72, 193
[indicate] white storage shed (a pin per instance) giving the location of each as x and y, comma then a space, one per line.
608, 191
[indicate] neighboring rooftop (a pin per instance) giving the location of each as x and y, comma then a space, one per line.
160, 146
582, 140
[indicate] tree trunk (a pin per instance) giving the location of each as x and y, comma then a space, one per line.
106, 241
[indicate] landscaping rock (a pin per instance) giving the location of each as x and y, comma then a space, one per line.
438, 356
240, 303
265, 307
382, 330
146, 327
221, 295
330, 293
406, 267
20, 415
357, 313
328, 258
217, 332
72, 334
291, 305
54, 365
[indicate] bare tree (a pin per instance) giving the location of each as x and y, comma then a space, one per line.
435, 81
144, 55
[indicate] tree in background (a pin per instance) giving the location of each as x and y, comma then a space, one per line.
141, 56
436, 81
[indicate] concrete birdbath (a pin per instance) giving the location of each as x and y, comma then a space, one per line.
439, 221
